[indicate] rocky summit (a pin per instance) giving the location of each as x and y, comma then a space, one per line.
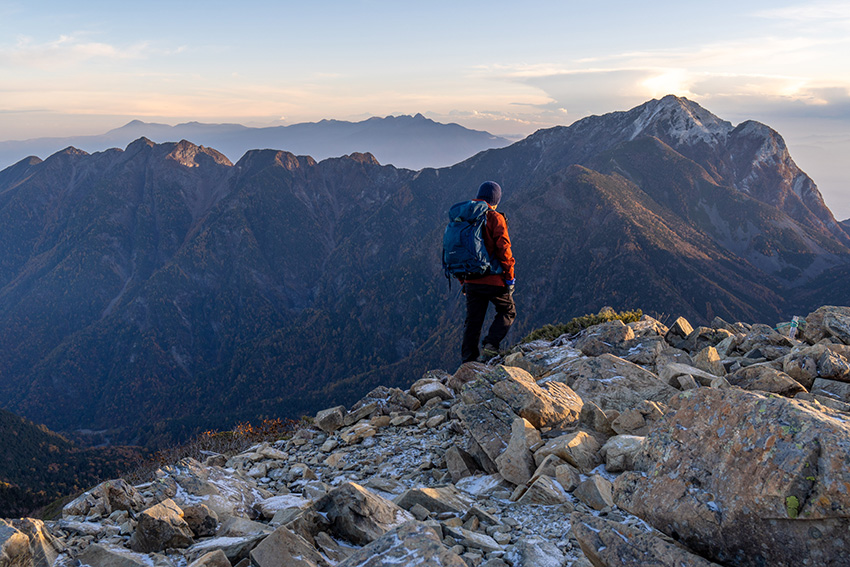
636, 444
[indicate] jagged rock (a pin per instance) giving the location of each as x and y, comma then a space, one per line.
43, 547
547, 467
356, 433
552, 358
516, 463
613, 383
595, 492
703, 337
200, 519
833, 366
488, 422
460, 464
611, 544
106, 555
361, 410
553, 405
536, 552
472, 539
159, 527
545, 491
638, 420
518, 360
234, 548
828, 321
271, 506
14, 546
437, 500
331, 419
644, 350
604, 338
468, 372
619, 452
578, 449
832, 389
215, 558
105, 498
283, 548
671, 372
678, 332
708, 360
413, 543
765, 379
597, 420
567, 476
358, 515
224, 493
687, 382
426, 388
242, 527
648, 327
743, 478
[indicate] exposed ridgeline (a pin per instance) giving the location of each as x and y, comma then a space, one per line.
162, 289
624, 445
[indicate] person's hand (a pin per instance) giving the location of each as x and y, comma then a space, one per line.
510, 285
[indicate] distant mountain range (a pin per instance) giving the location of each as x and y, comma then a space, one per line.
162, 289
412, 142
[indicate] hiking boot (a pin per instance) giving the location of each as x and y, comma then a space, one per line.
488, 352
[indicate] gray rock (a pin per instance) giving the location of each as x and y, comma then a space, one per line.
578, 449
567, 476
200, 519
611, 544
833, 389
437, 499
460, 463
765, 379
215, 558
331, 419
516, 463
425, 389
106, 555
160, 527
620, 452
534, 551
283, 548
105, 498
14, 546
595, 492
545, 491
413, 543
42, 548
358, 515
242, 527
828, 322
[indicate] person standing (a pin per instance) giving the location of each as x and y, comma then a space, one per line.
492, 288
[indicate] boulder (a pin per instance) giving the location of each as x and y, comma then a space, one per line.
426, 388
833, 366
518, 360
460, 464
604, 338
742, 478
413, 543
670, 372
708, 360
516, 463
545, 491
648, 327
547, 467
358, 515
106, 555
534, 551
242, 527
828, 322
638, 420
611, 544
284, 548
106, 498
331, 419
567, 476
223, 492
200, 519
271, 506
703, 337
14, 546
678, 332
215, 558
613, 383
765, 379
553, 405
620, 452
467, 372
436, 500
595, 492
160, 527
43, 547
832, 389
235, 549
578, 449
595, 419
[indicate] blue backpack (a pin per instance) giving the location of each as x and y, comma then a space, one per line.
464, 253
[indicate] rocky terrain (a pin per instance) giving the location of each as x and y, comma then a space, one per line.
626, 444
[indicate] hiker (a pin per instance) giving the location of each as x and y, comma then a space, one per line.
495, 285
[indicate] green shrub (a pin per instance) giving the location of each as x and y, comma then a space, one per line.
552, 332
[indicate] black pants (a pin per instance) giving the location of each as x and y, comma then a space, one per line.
478, 298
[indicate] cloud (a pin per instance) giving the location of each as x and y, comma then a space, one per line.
65, 51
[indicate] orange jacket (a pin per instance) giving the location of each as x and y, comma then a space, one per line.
498, 244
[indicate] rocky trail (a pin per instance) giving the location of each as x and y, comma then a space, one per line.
627, 444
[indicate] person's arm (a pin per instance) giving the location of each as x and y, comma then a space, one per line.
502, 245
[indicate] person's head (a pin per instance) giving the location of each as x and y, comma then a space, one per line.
490, 192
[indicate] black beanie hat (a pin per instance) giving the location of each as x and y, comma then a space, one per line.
490, 192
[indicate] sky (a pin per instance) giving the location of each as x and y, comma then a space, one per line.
84, 67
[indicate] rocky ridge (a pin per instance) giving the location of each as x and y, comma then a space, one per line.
631, 444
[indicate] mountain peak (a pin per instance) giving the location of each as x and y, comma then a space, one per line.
680, 119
